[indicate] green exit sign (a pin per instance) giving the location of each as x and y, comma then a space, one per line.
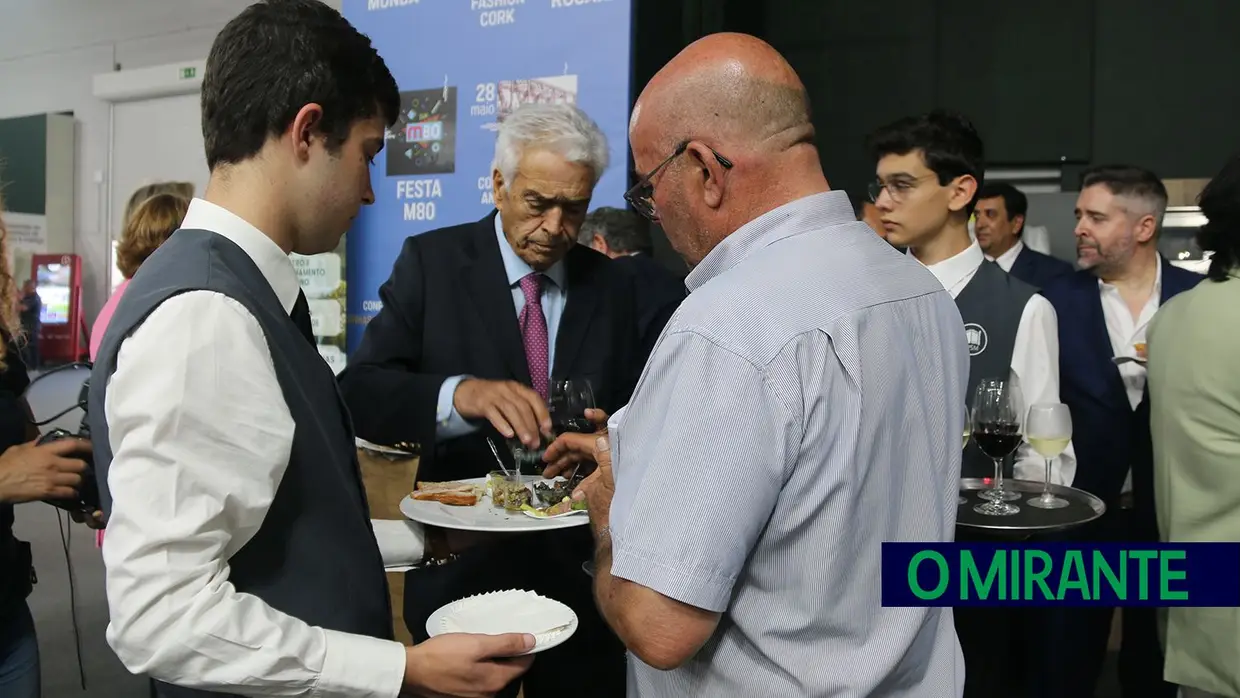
189, 73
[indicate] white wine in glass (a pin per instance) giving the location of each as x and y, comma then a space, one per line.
1048, 429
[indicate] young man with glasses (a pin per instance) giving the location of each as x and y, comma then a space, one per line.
929, 171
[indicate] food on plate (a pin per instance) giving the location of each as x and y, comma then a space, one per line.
562, 507
507, 492
457, 494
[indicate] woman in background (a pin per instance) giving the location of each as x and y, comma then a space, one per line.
146, 228
146, 191
27, 473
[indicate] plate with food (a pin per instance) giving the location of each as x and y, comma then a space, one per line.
496, 503
512, 611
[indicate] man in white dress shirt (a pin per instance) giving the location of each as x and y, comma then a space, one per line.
929, 171
1000, 230
240, 556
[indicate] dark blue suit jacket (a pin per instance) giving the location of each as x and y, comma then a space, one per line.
1037, 269
1107, 434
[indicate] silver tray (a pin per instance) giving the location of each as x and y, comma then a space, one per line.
1082, 508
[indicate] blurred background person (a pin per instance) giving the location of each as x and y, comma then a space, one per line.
146, 191
1104, 311
1195, 429
148, 226
1000, 227
622, 235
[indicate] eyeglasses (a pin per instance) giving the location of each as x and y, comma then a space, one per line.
641, 195
898, 188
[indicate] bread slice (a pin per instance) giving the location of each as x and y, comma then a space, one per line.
460, 494
451, 498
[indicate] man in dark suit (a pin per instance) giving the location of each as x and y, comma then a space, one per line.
477, 320
625, 237
1104, 311
1000, 211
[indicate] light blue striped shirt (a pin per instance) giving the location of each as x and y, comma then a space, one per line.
801, 407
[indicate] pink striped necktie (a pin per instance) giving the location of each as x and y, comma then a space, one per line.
534, 333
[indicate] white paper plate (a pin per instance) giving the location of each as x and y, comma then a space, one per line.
484, 516
512, 611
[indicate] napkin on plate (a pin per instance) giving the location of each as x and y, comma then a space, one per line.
507, 612
401, 542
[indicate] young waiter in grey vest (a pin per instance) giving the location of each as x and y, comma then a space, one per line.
240, 555
929, 170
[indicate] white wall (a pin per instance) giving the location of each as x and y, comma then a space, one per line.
49, 52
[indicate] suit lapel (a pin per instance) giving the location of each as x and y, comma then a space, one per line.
583, 295
487, 286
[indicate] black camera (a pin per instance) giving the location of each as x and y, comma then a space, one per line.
87, 500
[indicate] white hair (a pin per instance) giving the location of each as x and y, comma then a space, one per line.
561, 128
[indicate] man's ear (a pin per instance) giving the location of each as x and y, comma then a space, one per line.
963, 189
497, 185
305, 129
709, 170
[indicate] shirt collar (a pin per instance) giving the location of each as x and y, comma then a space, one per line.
272, 262
804, 215
515, 267
951, 271
1007, 259
1156, 293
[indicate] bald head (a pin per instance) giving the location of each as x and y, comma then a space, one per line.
743, 118
733, 88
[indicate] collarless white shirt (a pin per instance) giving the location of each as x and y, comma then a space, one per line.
1007, 259
1126, 332
1035, 360
201, 437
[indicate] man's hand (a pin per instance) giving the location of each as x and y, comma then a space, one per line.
512, 408
31, 473
473, 666
93, 520
569, 450
598, 489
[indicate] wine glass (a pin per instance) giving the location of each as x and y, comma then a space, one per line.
997, 431
968, 427
1048, 429
568, 402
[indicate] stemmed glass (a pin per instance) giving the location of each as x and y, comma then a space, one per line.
1048, 429
997, 431
567, 402
968, 427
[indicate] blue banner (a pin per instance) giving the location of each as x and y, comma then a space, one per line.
1061, 574
462, 66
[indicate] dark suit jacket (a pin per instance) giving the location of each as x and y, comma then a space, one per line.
659, 293
1107, 434
1038, 269
448, 310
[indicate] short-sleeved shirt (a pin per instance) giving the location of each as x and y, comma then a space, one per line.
802, 406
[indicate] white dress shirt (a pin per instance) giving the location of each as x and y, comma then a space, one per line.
1126, 332
201, 437
1035, 361
1007, 259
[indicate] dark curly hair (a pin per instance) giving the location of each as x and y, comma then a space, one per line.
1220, 203
948, 141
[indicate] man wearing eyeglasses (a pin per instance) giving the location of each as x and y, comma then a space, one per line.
756, 470
929, 171
477, 320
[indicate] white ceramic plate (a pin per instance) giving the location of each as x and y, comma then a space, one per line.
484, 516
512, 611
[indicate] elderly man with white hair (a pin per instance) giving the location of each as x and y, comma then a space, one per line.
477, 321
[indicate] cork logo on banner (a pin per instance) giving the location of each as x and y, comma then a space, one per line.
976, 336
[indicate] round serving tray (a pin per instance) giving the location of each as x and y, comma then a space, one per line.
1082, 508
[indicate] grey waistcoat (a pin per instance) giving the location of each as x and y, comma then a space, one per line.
991, 306
315, 557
